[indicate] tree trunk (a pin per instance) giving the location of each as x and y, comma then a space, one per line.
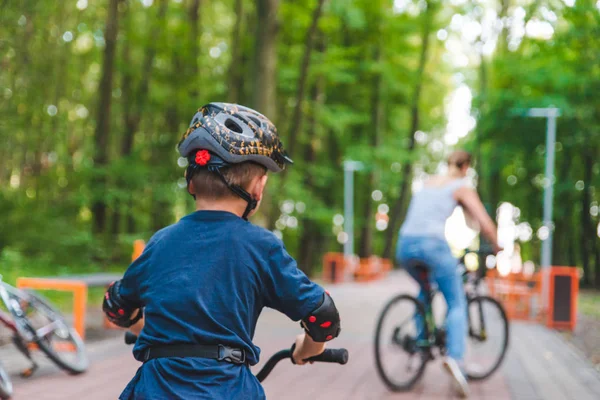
134, 102
102, 132
560, 250
590, 234
194, 16
296, 121
406, 172
307, 240
311, 234
503, 34
586, 221
483, 85
236, 77
366, 243
596, 248
265, 61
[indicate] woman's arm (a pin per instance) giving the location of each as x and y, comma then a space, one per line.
470, 220
470, 201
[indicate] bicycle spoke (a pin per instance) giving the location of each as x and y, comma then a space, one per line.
488, 337
402, 365
48, 329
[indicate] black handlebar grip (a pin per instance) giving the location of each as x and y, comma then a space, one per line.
339, 356
130, 338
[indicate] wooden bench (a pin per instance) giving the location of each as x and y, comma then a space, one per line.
78, 285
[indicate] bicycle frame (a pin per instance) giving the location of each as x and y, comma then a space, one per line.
431, 329
7, 321
6, 318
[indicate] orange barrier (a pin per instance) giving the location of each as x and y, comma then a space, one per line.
523, 299
79, 289
336, 268
372, 268
333, 267
520, 295
138, 248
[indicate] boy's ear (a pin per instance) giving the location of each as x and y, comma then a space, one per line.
191, 189
259, 187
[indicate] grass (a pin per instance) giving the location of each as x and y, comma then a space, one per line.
589, 303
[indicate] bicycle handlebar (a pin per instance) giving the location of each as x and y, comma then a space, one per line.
130, 338
338, 356
481, 270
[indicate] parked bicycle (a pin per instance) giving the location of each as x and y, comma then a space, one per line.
338, 356
403, 348
35, 323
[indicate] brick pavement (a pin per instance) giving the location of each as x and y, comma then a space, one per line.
539, 365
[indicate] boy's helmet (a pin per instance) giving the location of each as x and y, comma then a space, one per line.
222, 134
235, 134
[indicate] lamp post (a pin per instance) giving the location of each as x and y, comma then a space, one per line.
551, 114
349, 168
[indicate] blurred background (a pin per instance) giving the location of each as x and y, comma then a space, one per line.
94, 96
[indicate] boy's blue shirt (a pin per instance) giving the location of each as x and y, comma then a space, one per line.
206, 280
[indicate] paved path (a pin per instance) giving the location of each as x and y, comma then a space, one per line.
539, 365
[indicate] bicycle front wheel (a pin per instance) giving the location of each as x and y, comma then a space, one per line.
401, 345
487, 338
6, 388
60, 342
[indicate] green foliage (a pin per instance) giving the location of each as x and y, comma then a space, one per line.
547, 73
363, 72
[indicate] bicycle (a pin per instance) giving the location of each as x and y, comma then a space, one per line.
35, 323
486, 320
338, 356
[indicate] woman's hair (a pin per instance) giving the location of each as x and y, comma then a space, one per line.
459, 158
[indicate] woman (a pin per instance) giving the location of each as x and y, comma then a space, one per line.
422, 241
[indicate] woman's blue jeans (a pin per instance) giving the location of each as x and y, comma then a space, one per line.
436, 255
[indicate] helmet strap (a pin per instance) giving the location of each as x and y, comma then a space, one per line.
240, 191
188, 177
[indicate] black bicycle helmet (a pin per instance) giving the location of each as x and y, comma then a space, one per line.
236, 134
222, 134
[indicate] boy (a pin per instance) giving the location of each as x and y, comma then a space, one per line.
203, 281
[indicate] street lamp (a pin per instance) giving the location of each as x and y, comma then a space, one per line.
349, 168
551, 114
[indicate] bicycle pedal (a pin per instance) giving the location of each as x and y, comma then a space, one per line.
29, 371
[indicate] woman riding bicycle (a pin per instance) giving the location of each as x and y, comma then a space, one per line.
422, 241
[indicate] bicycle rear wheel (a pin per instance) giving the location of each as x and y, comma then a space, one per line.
401, 345
53, 335
6, 388
487, 339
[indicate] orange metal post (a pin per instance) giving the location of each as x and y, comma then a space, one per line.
78, 288
138, 249
333, 267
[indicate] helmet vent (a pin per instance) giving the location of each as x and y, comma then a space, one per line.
232, 125
255, 120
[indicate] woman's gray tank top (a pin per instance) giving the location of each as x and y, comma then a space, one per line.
430, 208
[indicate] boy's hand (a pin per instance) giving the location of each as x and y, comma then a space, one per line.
306, 348
137, 327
